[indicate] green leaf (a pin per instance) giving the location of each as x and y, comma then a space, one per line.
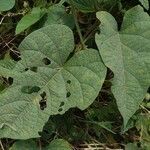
59, 144
25, 145
131, 146
6, 5
29, 19
105, 125
94, 5
47, 83
57, 15
145, 3
126, 53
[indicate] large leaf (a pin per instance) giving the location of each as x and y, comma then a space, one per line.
30, 19
47, 83
126, 53
6, 5
94, 5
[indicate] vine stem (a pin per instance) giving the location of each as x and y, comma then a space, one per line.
77, 25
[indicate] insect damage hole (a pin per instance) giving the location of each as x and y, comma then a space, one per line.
62, 104
26, 69
30, 89
46, 61
43, 101
10, 80
60, 109
34, 69
69, 81
68, 94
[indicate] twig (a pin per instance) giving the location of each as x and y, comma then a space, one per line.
145, 109
2, 147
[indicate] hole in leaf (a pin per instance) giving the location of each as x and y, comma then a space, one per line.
62, 104
46, 61
43, 104
43, 101
43, 95
34, 69
10, 80
60, 109
36, 89
30, 89
68, 94
26, 69
69, 81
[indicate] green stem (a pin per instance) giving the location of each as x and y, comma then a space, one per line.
77, 25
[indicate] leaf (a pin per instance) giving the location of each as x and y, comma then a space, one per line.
145, 4
59, 144
29, 19
6, 5
125, 52
47, 83
105, 125
131, 146
94, 5
58, 15
25, 145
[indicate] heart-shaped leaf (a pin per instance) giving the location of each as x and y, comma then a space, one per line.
126, 53
48, 81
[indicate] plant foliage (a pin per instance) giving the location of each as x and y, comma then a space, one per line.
43, 74
124, 52
74, 72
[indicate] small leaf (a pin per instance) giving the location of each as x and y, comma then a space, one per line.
126, 53
29, 109
145, 3
29, 19
57, 15
58, 144
105, 125
25, 145
131, 146
6, 5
